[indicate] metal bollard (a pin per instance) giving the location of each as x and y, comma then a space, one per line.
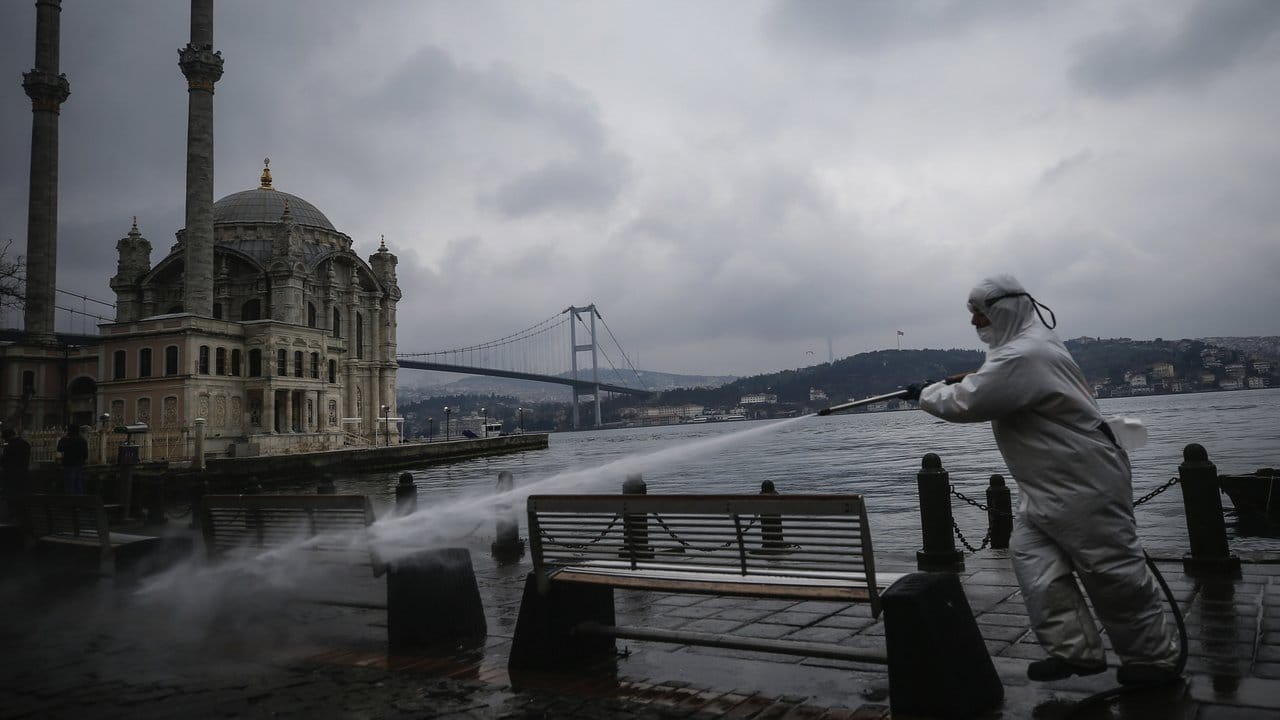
635, 526
406, 495
999, 513
770, 525
325, 486
507, 547
939, 553
1206, 528
199, 489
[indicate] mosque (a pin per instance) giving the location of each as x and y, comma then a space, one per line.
260, 325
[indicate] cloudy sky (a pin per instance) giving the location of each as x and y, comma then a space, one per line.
734, 183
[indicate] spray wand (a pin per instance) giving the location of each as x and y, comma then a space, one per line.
952, 380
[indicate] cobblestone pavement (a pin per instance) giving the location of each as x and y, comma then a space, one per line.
211, 645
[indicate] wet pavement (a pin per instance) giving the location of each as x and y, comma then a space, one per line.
214, 645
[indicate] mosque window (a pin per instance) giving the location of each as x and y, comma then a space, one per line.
28, 382
171, 360
359, 336
174, 309
315, 366
255, 363
311, 314
297, 363
251, 310
204, 360
217, 311
144, 362
235, 363
118, 359
333, 371
282, 362
337, 323
220, 361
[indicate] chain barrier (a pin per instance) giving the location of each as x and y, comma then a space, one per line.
1172, 481
987, 538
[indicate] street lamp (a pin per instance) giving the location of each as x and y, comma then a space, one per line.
386, 425
446, 423
431, 426
485, 426
520, 416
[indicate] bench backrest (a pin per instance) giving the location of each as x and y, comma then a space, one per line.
261, 522
66, 517
820, 539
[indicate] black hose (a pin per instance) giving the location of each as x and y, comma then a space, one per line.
1182, 648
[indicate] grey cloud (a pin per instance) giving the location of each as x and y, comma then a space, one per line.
1214, 37
871, 26
588, 184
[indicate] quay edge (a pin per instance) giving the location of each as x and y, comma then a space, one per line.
369, 459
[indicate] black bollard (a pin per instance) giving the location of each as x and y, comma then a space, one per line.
433, 600
939, 553
770, 525
406, 495
507, 547
326, 486
999, 513
1210, 555
199, 489
635, 526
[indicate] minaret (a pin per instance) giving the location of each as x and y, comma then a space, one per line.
202, 68
48, 90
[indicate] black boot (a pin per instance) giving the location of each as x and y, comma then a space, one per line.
1055, 668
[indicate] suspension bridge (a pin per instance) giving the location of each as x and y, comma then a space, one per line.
549, 351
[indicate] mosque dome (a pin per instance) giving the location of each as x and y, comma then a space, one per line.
265, 204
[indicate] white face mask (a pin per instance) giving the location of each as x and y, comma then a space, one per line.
987, 335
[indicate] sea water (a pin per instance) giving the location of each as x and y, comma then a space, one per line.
875, 454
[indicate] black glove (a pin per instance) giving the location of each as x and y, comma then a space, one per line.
912, 391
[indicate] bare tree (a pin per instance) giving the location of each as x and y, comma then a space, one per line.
12, 277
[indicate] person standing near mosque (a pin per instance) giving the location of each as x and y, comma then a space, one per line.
75, 452
1075, 483
15, 466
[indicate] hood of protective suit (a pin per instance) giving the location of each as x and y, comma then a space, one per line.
1010, 313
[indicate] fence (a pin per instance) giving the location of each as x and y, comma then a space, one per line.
160, 445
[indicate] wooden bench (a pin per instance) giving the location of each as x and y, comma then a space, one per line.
80, 521
331, 527
793, 547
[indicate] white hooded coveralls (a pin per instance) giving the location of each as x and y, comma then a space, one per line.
1076, 507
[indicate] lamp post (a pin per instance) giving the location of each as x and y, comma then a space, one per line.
431, 426
485, 426
520, 419
446, 423
386, 425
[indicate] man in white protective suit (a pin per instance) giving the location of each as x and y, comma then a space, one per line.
1076, 507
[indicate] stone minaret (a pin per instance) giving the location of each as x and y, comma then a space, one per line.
202, 68
47, 90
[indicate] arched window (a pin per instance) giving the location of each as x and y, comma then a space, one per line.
144, 362
251, 310
282, 362
359, 336
297, 363
311, 314
333, 371
255, 363
315, 366
204, 359
337, 323
220, 361
118, 359
171, 360
235, 363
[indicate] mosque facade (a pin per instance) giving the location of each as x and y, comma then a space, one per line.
261, 325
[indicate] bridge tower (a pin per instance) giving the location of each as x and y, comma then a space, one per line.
576, 313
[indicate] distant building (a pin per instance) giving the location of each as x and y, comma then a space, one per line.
816, 395
1162, 370
759, 399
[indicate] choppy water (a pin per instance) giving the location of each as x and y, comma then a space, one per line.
875, 454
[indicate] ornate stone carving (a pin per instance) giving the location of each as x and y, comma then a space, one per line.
202, 406
237, 412
46, 90
333, 413
170, 417
220, 411
201, 65
144, 411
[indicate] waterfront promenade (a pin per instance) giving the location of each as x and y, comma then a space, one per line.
77, 647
